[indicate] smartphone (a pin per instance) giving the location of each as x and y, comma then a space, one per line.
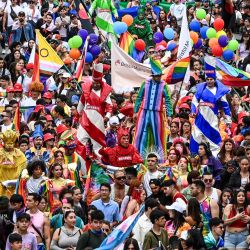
241, 210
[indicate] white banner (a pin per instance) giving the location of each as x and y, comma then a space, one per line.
126, 72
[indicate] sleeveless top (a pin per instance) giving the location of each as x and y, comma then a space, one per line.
37, 220
238, 223
68, 239
206, 215
214, 195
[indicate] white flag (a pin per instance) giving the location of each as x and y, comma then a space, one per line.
126, 72
185, 47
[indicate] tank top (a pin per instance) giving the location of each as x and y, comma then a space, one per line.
37, 220
206, 215
238, 223
68, 239
214, 195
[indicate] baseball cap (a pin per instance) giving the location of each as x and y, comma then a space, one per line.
30, 66
48, 117
10, 89
155, 182
184, 106
114, 120
178, 206
48, 136
47, 95
18, 87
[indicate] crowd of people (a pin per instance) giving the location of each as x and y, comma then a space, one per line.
85, 158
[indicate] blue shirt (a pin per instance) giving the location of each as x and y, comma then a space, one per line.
110, 209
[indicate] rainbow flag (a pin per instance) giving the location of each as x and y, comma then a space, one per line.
176, 72
17, 119
127, 43
232, 76
121, 232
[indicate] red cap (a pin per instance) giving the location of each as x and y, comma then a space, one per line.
38, 108
18, 87
241, 115
48, 136
61, 128
184, 106
30, 66
186, 99
10, 89
97, 72
47, 95
48, 117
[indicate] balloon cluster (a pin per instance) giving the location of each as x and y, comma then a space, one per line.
217, 37
77, 42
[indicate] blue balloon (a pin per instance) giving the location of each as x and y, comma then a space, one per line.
203, 32
120, 27
198, 45
88, 58
95, 50
83, 34
228, 55
158, 37
195, 25
223, 41
169, 33
171, 46
93, 39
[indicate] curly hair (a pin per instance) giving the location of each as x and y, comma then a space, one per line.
36, 86
34, 164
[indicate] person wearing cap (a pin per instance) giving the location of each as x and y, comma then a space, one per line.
72, 90
49, 141
151, 117
10, 96
26, 79
177, 224
63, 84
19, 94
95, 108
124, 154
62, 23
21, 26
140, 28
209, 98
111, 132
47, 96
37, 151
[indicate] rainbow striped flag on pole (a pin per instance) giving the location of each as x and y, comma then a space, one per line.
176, 72
127, 43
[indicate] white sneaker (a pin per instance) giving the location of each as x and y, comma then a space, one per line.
3, 51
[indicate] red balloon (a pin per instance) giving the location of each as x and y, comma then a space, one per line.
217, 50
163, 43
218, 24
140, 45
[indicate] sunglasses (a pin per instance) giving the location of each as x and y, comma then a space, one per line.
121, 178
105, 230
208, 180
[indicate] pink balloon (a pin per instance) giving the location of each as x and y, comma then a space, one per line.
82, 14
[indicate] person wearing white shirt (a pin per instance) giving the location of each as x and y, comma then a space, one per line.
6, 119
143, 225
26, 79
32, 13
10, 15
62, 23
152, 172
177, 9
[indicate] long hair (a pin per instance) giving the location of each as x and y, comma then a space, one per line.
207, 149
133, 242
194, 210
51, 175
234, 201
178, 219
222, 153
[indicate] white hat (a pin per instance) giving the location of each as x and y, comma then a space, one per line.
113, 120
66, 75
179, 205
184, 235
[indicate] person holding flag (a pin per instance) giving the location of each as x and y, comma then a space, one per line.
151, 119
210, 97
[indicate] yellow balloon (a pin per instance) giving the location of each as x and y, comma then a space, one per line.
225, 48
221, 33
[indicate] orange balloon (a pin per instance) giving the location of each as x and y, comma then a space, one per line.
213, 42
67, 60
74, 53
194, 36
127, 19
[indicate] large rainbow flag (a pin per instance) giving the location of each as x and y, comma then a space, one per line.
232, 76
127, 43
176, 72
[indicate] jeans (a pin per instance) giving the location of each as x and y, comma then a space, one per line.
40, 246
236, 240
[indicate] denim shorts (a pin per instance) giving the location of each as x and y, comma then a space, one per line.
236, 240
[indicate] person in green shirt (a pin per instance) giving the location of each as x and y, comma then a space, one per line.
157, 236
